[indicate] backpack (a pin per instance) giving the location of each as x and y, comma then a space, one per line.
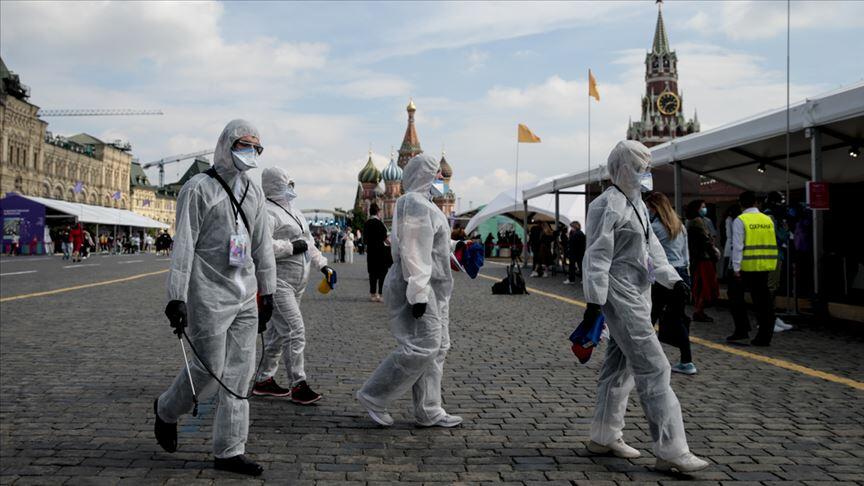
512, 284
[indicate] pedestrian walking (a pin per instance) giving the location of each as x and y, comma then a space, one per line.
223, 255
349, 247
76, 241
65, 242
48, 243
622, 257
295, 253
378, 258
732, 212
775, 208
754, 257
667, 306
417, 292
575, 252
703, 260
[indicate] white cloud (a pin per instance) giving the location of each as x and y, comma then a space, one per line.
750, 20
375, 86
459, 24
476, 59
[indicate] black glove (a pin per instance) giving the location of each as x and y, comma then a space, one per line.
327, 271
459, 245
177, 317
417, 310
592, 311
300, 246
682, 291
265, 312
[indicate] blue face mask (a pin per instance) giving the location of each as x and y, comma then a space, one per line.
245, 159
437, 189
646, 182
703, 211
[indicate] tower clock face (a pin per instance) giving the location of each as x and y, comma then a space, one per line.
668, 103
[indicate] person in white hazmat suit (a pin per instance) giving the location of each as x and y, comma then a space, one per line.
222, 256
295, 252
621, 261
417, 292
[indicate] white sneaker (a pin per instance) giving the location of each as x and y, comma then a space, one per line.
381, 417
618, 449
534, 274
686, 463
780, 325
446, 420
568, 282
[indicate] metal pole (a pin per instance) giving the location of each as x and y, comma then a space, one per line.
525, 233
679, 196
816, 175
787, 243
557, 219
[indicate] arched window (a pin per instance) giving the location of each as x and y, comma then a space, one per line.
46, 190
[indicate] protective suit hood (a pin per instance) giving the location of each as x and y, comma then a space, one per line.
627, 161
275, 181
234, 130
419, 174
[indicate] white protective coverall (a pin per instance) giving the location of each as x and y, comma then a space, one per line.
220, 298
420, 273
617, 267
286, 335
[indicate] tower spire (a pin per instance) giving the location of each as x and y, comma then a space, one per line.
411, 142
661, 40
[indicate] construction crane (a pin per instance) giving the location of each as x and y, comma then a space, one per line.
98, 112
170, 160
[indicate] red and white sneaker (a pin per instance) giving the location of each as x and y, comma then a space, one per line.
301, 394
269, 388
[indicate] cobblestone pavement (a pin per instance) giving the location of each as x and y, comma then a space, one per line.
80, 370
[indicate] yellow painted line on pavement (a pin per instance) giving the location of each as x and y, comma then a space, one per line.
79, 287
780, 363
544, 294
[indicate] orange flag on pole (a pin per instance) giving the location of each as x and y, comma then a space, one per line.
592, 87
526, 136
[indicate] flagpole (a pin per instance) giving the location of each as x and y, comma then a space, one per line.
588, 186
516, 187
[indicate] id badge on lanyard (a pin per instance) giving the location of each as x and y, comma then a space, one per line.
238, 250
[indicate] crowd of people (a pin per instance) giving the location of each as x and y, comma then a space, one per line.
76, 243
243, 255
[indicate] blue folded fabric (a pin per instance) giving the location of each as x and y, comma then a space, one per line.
472, 259
586, 337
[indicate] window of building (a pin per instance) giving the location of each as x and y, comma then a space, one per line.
19, 184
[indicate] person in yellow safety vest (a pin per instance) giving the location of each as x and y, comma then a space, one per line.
754, 257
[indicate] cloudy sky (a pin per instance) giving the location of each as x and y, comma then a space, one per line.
324, 82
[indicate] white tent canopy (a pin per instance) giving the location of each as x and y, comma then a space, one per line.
543, 208
731, 153
86, 213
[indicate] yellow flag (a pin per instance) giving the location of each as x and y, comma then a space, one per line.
592, 87
525, 135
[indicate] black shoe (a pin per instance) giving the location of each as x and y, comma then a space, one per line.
702, 317
269, 388
239, 464
303, 395
760, 343
166, 434
735, 338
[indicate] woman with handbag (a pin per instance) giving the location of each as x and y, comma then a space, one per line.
667, 306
